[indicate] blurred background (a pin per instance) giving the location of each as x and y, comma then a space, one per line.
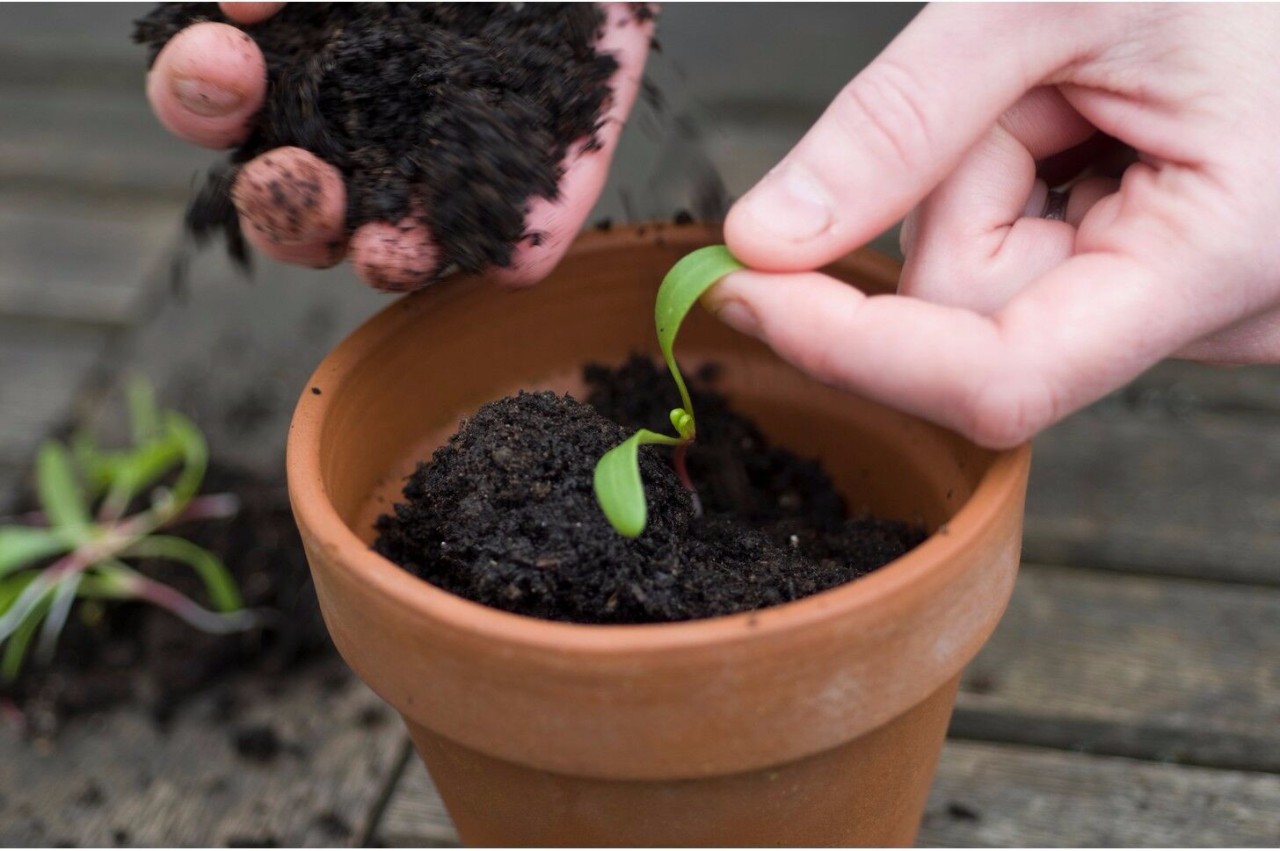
1131, 696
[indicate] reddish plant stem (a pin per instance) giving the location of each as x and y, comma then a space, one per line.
217, 506
679, 461
187, 609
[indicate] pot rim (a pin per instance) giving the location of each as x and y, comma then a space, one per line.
932, 561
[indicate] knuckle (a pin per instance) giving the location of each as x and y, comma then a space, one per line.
884, 108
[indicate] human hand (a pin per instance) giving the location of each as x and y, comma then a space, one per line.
209, 81
1006, 321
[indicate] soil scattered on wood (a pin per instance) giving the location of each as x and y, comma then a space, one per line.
134, 652
257, 742
504, 513
454, 115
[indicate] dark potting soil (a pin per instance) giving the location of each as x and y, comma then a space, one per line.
136, 653
504, 513
455, 114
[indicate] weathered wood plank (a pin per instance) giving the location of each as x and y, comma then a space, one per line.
42, 366
415, 816
1001, 796
1133, 666
88, 260
46, 142
117, 779
1195, 495
1178, 388
820, 47
1005, 795
73, 31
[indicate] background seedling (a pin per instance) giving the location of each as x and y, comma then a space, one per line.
618, 486
65, 552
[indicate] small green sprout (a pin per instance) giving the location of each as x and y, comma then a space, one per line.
618, 487
64, 552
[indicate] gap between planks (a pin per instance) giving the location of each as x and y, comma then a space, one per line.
1161, 669
1008, 796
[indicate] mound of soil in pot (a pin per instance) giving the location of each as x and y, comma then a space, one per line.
454, 114
504, 514
131, 652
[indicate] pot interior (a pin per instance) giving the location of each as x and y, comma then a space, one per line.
403, 381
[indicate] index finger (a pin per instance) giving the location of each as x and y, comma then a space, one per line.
1082, 330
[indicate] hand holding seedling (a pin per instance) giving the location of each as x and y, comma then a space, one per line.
1015, 308
209, 82
618, 487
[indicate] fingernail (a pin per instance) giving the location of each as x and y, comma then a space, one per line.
794, 204
739, 317
204, 98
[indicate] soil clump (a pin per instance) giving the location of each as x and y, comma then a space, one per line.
452, 115
504, 514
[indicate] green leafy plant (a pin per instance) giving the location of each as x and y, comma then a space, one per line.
618, 486
66, 552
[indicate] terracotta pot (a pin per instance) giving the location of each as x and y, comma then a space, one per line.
817, 722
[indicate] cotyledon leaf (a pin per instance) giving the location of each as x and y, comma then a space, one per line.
618, 486
692, 276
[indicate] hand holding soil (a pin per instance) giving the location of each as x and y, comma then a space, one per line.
412, 139
1017, 308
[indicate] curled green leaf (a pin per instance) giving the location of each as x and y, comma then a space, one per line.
619, 489
693, 275
218, 581
195, 455
618, 486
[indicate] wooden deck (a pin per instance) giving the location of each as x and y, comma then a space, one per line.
1131, 695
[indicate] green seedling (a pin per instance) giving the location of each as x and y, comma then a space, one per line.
66, 552
618, 487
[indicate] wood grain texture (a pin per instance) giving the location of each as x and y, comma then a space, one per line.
1193, 495
1176, 388
102, 141
87, 32
42, 367
90, 260
1007, 796
1161, 669
116, 779
415, 815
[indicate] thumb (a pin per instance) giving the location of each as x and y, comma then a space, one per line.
897, 130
